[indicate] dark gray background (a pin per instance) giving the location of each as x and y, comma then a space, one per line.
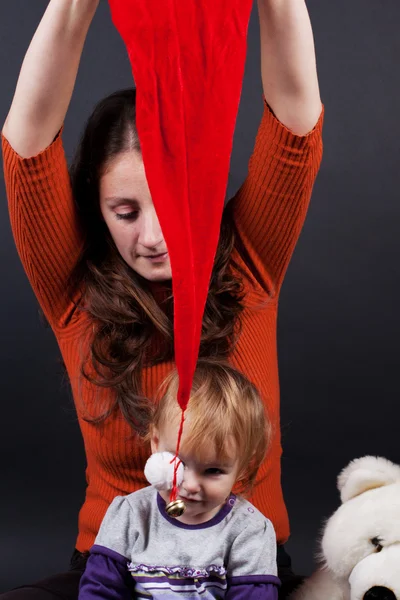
338, 324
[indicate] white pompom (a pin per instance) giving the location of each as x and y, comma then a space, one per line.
159, 471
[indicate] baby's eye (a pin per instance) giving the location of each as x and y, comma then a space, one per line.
213, 471
377, 542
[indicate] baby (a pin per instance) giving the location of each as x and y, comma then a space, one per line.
222, 546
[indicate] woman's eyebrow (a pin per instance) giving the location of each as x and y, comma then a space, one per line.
118, 200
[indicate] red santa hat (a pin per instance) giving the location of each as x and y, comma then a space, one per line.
187, 59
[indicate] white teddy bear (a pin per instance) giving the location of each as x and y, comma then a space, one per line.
360, 546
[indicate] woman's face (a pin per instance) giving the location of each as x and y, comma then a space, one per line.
129, 213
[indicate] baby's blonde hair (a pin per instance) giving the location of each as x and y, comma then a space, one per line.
224, 406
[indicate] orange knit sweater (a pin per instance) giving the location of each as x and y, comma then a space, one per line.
269, 211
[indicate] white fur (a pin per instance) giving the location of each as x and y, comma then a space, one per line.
366, 473
351, 565
381, 569
322, 586
159, 470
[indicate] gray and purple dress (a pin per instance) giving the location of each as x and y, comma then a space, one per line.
140, 552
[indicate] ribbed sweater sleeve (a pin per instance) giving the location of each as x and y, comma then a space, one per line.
270, 207
44, 224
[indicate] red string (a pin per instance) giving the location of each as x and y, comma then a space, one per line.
174, 490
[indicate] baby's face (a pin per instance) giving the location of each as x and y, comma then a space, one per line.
207, 480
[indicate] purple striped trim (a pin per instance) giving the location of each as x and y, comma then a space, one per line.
199, 588
145, 580
220, 516
184, 572
248, 579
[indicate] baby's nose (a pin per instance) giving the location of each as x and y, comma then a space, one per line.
190, 482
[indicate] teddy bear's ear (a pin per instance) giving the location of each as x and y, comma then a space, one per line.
365, 474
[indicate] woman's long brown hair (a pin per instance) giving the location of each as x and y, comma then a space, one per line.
131, 328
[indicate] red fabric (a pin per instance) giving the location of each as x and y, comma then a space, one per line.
188, 60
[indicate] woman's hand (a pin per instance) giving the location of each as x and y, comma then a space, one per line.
288, 66
47, 76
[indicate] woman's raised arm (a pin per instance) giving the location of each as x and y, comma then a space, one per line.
270, 207
288, 65
47, 76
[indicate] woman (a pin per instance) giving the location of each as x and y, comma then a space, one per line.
97, 260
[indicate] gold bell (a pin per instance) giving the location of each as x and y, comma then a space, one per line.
176, 508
